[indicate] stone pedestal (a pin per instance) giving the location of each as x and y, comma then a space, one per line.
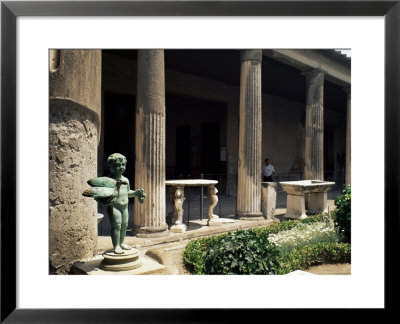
316, 191
129, 260
268, 199
250, 123
181, 228
149, 217
314, 145
148, 266
74, 123
317, 203
295, 207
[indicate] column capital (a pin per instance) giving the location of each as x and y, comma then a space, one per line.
251, 54
312, 71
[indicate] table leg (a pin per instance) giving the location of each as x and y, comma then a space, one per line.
178, 199
172, 215
213, 198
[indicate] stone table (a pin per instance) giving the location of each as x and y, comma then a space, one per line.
177, 197
317, 191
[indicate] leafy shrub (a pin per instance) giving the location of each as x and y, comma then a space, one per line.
198, 251
303, 234
242, 252
313, 254
342, 214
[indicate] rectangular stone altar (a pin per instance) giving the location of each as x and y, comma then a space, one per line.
317, 191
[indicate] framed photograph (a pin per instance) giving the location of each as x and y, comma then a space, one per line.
29, 29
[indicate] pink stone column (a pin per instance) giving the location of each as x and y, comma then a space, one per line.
149, 217
314, 145
250, 123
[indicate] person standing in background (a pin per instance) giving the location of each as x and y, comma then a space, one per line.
268, 171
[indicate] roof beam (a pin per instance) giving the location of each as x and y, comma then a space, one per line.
336, 70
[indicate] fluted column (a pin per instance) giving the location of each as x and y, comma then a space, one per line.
249, 157
149, 217
314, 146
348, 137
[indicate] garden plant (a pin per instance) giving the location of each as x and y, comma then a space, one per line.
276, 249
342, 214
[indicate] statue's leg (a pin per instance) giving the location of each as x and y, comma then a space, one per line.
124, 226
115, 220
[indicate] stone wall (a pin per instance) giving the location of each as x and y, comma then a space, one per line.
283, 134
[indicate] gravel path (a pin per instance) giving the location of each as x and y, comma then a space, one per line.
331, 269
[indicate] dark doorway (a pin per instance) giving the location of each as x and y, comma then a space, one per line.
329, 158
210, 148
183, 151
119, 130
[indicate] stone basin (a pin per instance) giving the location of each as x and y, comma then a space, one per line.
317, 192
306, 186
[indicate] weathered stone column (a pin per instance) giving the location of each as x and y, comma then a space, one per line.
314, 145
250, 123
348, 137
149, 218
74, 124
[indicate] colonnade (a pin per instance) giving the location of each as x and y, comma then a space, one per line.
150, 80
68, 98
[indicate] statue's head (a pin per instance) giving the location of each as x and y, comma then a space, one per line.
117, 163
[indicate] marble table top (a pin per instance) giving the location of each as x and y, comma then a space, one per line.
190, 182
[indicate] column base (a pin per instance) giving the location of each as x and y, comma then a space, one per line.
249, 216
143, 231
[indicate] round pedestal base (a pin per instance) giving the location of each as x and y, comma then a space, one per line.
120, 262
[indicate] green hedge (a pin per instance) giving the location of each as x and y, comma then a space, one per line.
242, 252
196, 251
342, 214
313, 254
199, 254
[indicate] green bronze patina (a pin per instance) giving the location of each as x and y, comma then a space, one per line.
114, 192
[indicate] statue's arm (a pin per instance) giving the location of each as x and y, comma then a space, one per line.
139, 193
135, 193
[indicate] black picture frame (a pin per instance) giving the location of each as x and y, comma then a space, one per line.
10, 10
